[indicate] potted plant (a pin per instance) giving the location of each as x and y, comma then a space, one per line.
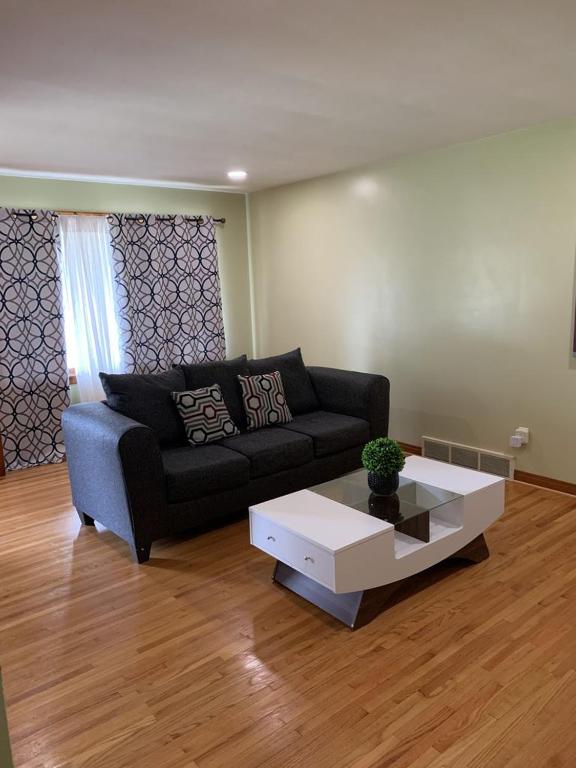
383, 458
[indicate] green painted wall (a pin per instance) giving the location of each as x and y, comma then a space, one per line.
5, 756
232, 241
450, 271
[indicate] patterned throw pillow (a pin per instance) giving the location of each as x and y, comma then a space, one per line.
264, 400
205, 415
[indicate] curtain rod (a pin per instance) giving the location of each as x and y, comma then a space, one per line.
165, 217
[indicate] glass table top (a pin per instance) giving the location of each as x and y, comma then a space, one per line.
410, 500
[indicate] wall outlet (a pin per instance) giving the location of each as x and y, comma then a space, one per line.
523, 433
516, 441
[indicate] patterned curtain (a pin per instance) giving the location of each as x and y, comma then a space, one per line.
166, 269
33, 374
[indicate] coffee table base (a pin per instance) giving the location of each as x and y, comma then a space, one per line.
355, 609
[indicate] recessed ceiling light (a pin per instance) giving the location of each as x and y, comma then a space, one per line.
237, 175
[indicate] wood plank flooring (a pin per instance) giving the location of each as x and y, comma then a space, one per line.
196, 660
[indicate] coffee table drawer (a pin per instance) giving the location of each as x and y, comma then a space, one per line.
293, 550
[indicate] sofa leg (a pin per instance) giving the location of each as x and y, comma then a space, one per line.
84, 518
141, 552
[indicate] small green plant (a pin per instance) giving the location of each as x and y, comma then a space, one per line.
383, 456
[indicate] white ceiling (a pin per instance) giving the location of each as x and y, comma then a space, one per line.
183, 90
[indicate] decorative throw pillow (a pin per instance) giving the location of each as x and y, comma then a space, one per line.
264, 400
205, 415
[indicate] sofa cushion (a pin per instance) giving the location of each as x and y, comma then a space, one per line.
272, 449
300, 393
192, 472
205, 416
264, 400
147, 398
224, 373
331, 432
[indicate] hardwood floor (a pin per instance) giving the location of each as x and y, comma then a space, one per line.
196, 660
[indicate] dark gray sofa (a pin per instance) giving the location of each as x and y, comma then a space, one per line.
124, 476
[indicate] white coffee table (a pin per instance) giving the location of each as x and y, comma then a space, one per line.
348, 552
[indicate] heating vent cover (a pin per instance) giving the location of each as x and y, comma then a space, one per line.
435, 450
464, 457
496, 465
467, 456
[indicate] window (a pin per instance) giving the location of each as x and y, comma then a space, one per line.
90, 302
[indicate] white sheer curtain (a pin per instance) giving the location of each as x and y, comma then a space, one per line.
90, 304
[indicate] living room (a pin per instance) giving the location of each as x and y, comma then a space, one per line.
319, 507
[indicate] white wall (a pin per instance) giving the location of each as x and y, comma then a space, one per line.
451, 272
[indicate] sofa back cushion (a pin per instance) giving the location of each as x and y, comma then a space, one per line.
300, 394
224, 373
147, 398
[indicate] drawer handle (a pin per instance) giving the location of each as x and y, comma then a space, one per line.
309, 559
271, 538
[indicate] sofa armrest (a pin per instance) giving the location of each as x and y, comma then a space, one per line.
364, 395
116, 473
